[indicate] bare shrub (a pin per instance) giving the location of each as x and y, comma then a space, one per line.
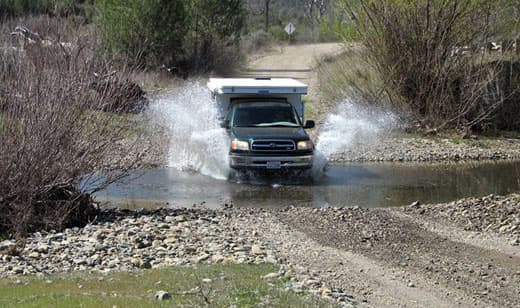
256, 41
57, 147
413, 45
350, 74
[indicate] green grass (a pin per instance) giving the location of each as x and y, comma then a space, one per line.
231, 284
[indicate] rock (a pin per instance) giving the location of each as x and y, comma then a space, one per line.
145, 264
80, 261
6, 245
136, 262
34, 255
271, 275
256, 250
162, 295
113, 263
169, 219
217, 258
201, 258
415, 204
156, 243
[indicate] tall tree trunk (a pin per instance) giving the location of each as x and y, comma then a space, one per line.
267, 15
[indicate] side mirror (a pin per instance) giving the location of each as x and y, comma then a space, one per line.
309, 124
224, 123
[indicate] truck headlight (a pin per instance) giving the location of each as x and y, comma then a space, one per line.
239, 145
304, 145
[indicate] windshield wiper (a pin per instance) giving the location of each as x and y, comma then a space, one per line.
277, 125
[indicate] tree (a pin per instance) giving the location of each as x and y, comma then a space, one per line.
147, 32
214, 29
186, 36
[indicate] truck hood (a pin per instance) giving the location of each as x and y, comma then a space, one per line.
294, 133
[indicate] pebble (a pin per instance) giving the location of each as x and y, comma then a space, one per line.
162, 295
271, 275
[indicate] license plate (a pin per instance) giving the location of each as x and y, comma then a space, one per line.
274, 165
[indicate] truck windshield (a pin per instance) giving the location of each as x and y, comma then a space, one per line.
267, 114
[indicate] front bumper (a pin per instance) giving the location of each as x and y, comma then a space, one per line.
270, 162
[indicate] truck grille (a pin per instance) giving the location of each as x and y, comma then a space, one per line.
273, 145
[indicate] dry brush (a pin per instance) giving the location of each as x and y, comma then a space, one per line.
57, 145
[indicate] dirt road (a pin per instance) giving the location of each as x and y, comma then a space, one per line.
462, 254
294, 61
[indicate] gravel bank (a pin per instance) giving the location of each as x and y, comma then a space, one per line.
496, 214
364, 257
123, 240
405, 148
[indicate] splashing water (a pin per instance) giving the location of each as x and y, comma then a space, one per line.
196, 140
349, 125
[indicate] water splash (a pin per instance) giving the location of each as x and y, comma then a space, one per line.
351, 124
197, 142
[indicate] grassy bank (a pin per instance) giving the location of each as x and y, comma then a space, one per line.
213, 285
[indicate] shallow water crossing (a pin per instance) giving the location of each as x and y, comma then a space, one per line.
364, 185
197, 172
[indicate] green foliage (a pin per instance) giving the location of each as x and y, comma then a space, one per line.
337, 30
148, 31
187, 36
309, 16
212, 41
231, 285
14, 8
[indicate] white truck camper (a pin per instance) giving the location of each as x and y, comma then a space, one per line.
265, 119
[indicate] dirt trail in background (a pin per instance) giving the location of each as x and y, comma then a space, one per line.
294, 61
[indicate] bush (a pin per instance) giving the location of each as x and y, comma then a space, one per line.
257, 41
336, 30
184, 36
17, 8
508, 76
412, 44
350, 74
148, 32
55, 143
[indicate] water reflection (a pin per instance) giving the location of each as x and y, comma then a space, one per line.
365, 185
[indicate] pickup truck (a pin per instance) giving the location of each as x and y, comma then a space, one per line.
264, 118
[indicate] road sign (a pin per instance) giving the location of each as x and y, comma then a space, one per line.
290, 28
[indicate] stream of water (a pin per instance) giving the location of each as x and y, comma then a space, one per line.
198, 174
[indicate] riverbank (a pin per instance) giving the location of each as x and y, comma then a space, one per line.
459, 253
415, 148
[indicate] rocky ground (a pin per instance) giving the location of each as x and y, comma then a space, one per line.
407, 148
464, 253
